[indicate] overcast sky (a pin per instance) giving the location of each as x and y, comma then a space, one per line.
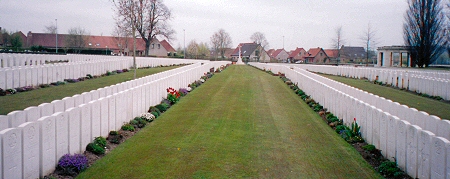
303, 23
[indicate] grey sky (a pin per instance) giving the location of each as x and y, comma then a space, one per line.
303, 23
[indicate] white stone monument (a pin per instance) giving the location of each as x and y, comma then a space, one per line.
239, 62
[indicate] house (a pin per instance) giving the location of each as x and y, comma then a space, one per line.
160, 48
332, 54
250, 52
316, 56
270, 52
280, 55
99, 44
352, 54
297, 55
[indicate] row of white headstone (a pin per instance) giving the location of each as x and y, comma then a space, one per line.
11, 60
418, 151
33, 148
431, 82
22, 76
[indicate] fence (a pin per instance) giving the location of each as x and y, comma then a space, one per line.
31, 148
418, 151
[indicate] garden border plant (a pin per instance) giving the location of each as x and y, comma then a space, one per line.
72, 165
350, 134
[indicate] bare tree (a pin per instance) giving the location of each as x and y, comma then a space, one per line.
76, 39
148, 17
338, 41
370, 41
220, 41
122, 37
51, 29
423, 31
260, 38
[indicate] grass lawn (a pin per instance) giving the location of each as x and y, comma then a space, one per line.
243, 123
23, 100
428, 105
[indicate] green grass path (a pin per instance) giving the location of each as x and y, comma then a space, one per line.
431, 106
242, 123
23, 100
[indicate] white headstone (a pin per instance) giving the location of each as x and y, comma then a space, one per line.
74, 130
31, 149
95, 118
33, 113
46, 109
62, 133
86, 125
402, 128
11, 150
48, 144
438, 157
16, 118
104, 116
411, 148
112, 113
391, 137
58, 106
424, 154
383, 132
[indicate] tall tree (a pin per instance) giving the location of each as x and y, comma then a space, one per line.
369, 39
76, 39
148, 17
260, 38
16, 41
220, 41
423, 31
337, 42
192, 50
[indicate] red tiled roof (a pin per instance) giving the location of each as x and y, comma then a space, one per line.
167, 46
296, 52
278, 51
312, 52
332, 53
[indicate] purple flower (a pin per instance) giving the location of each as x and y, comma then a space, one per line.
77, 162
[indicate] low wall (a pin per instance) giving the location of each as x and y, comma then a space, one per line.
417, 151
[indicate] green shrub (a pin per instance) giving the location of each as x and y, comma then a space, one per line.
101, 141
341, 128
369, 148
95, 148
332, 119
138, 122
154, 109
155, 114
113, 133
389, 169
128, 127
162, 107
300, 93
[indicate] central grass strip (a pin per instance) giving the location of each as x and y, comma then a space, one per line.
242, 123
23, 100
431, 106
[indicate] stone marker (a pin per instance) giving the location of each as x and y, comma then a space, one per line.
48, 144
438, 157
424, 154
11, 150
31, 149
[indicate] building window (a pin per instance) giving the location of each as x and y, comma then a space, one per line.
153, 45
159, 46
321, 54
